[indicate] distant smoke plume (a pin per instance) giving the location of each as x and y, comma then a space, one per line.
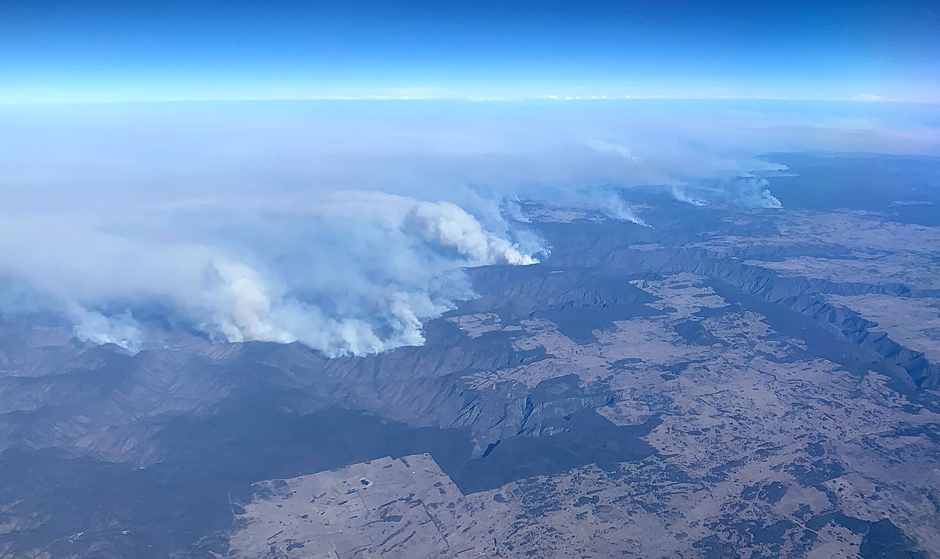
748, 192
93, 327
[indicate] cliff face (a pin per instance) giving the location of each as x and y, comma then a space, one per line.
804, 295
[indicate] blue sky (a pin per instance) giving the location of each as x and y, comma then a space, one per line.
122, 51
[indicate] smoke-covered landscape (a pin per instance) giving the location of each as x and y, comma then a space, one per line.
443, 280
345, 230
737, 355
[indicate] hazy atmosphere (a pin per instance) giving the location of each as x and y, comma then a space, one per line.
343, 225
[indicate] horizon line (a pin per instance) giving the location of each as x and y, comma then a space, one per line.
861, 98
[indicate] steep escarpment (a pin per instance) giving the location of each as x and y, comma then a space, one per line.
799, 294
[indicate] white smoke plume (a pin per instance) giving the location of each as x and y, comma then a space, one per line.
610, 204
450, 226
746, 191
93, 327
396, 263
241, 305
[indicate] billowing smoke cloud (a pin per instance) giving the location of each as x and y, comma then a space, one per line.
450, 226
241, 307
351, 273
92, 326
344, 226
373, 313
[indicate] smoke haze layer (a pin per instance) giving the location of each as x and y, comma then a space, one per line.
345, 226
